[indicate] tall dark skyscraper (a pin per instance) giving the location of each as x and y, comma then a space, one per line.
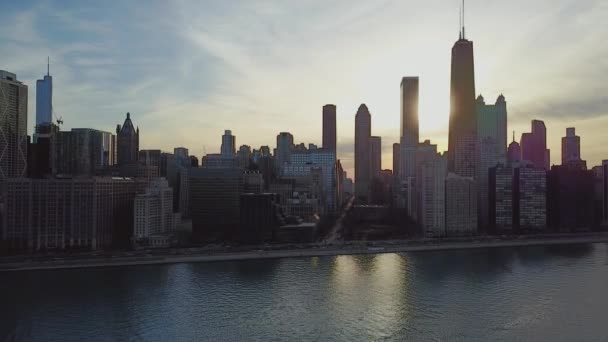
329, 127
463, 122
228, 148
409, 111
13, 126
44, 99
128, 142
375, 156
363, 132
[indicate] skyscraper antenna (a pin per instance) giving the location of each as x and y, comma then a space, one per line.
513, 136
459, 22
48, 66
463, 30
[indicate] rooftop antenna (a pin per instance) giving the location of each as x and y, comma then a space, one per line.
459, 22
463, 31
513, 136
48, 66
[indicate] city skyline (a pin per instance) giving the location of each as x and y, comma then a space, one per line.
95, 85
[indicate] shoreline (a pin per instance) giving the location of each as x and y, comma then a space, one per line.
320, 251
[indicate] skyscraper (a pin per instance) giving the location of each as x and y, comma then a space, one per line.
228, 148
284, 149
463, 122
396, 152
431, 194
44, 99
534, 146
409, 111
375, 156
514, 152
605, 192
13, 126
491, 146
571, 147
128, 142
363, 132
329, 127
460, 205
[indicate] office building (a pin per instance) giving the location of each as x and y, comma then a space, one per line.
396, 155
153, 211
570, 199
605, 192
503, 208
260, 217
59, 214
41, 152
534, 146
363, 132
462, 135
13, 126
44, 100
83, 152
491, 146
127, 141
243, 156
431, 177
150, 158
375, 156
193, 161
571, 149
228, 148
329, 128
461, 205
325, 161
514, 152
409, 111
214, 202
532, 196
284, 149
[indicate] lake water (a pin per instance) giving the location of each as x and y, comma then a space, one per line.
523, 294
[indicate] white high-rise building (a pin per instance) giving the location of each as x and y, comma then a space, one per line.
153, 210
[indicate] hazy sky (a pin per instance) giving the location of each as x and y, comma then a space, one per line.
187, 70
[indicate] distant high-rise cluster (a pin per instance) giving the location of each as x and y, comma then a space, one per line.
86, 188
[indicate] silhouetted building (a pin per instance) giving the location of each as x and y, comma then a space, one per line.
514, 152
409, 111
570, 199
605, 192
534, 146
214, 202
44, 100
491, 146
150, 158
228, 148
284, 149
304, 162
518, 199
432, 173
463, 122
193, 161
13, 126
329, 128
363, 129
84, 152
41, 152
153, 211
571, 150
260, 216
375, 156
461, 205
127, 142
244, 156
49, 214
396, 153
